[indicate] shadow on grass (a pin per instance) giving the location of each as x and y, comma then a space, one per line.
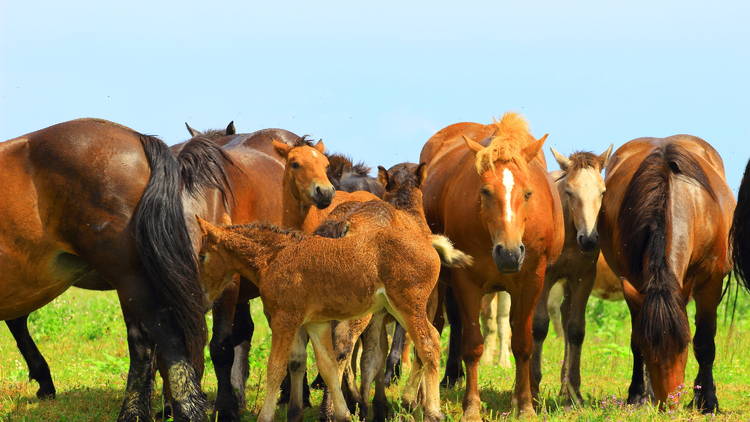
81, 404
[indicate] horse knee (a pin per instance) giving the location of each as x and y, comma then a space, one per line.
539, 328
575, 334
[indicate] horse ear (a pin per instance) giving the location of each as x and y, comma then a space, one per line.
383, 176
320, 147
473, 145
282, 148
421, 173
562, 160
192, 131
532, 150
604, 158
231, 129
631, 293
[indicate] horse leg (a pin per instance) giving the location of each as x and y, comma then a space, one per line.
469, 297
556, 295
296, 369
523, 302
575, 331
539, 329
380, 401
222, 355
706, 301
453, 369
488, 322
284, 331
640, 390
242, 333
38, 368
394, 361
321, 337
137, 404
503, 327
372, 361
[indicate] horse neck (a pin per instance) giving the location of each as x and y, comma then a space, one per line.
256, 247
409, 200
294, 211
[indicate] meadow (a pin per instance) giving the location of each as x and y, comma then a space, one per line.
82, 336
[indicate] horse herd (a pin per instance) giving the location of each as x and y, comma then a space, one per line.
335, 255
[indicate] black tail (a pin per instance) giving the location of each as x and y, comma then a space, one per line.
161, 235
740, 233
643, 224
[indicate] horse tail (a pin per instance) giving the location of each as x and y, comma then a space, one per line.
162, 238
643, 223
449, 255
740, 232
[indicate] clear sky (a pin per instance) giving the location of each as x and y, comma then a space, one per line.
376, 80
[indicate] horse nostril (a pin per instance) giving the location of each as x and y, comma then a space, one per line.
318, 191
522, 248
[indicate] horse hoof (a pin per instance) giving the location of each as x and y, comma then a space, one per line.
45, 393
449, 382
638, 399
434, 417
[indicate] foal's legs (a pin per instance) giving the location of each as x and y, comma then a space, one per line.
577, 293
488, 320
554, 302
395, 362
540, 327
283, 332
297, 366
374, 351
38, 368
707, 298
503, 327
320, 334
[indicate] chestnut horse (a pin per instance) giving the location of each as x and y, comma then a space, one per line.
664, 230
367, 269
490, 193
97, 201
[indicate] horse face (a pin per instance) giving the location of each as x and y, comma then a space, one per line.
504, 196
307, 167
582, 193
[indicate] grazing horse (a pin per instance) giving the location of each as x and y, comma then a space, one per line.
490, 193
581, 188
664, 230
96, 203
366, 268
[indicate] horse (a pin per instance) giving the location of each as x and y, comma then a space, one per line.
367, 269
664, 229
350, 177
488, 190
581, 188
91, 202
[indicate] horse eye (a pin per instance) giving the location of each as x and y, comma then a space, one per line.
569, 193
202, 258
295, 165
527, 195
485, 192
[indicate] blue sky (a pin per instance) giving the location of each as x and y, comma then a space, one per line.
376, 81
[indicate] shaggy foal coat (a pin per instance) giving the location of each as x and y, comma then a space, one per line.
386, 260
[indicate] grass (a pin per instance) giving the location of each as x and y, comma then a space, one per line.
83, 338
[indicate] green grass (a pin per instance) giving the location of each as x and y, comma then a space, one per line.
83, 338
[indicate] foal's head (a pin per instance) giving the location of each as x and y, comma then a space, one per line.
506, 187
582, 188
402, 184
306, 166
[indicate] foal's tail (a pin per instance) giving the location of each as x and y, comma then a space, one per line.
740, 233
161, 234
449, 255
643, 223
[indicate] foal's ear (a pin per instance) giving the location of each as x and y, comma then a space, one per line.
421, 173
192, 131
562, 160
203, 224
282, 148
604, 158
531, 150
473, 145
383, 177
231, 129
320, 147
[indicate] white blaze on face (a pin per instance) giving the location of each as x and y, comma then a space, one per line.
315, 154
508, 183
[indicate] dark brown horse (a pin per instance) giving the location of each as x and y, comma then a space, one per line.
488, 190
664, 230
95, 201
741, 231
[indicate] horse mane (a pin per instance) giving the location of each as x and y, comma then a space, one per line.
361, 169
251, 229
739, 235
212, 134
510, 137
303, 141
162, 239
643, 224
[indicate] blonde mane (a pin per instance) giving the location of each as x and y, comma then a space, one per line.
511, 135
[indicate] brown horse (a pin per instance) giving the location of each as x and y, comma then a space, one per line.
490, 193
366, 268
740, 236
581, 188
96, 201
664, 229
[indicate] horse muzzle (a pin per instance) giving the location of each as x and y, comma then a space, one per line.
509, 260
322, 197
588, 243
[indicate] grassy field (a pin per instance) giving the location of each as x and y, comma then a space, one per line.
82, 335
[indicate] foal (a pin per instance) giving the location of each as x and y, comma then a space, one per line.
368, 271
